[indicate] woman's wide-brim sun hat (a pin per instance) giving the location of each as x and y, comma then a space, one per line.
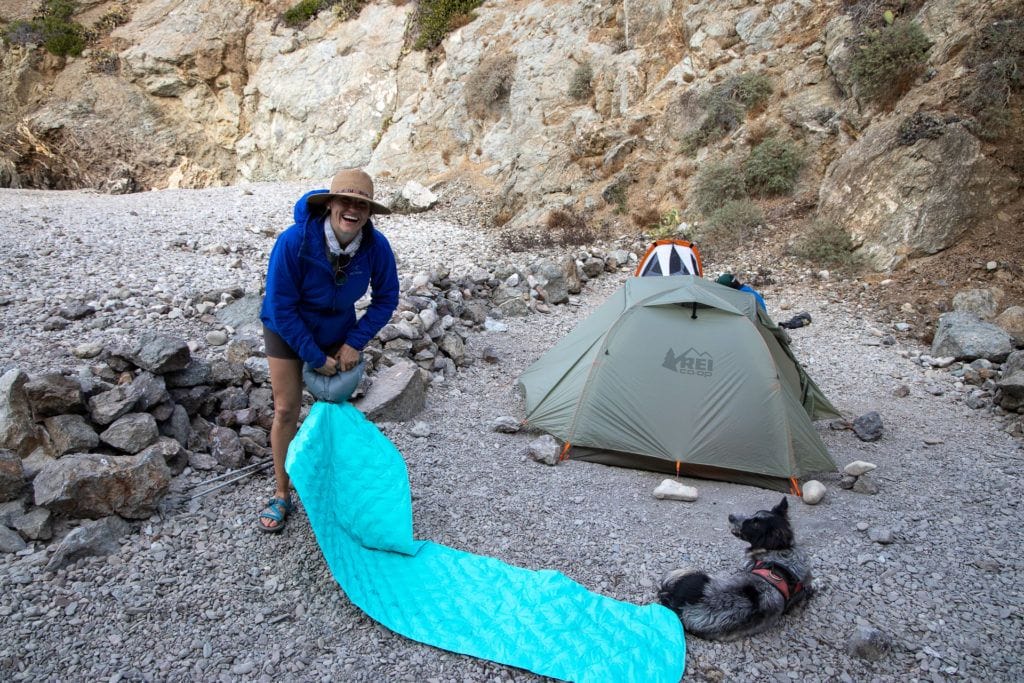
350, 182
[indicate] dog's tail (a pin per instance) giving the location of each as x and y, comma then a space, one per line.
681, 588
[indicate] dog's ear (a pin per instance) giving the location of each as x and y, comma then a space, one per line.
782, 507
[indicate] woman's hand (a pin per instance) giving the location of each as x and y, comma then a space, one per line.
347, 357
329, 367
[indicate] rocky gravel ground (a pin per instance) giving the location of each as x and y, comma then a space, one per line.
932, 562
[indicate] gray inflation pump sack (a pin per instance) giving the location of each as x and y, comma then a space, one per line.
334, 389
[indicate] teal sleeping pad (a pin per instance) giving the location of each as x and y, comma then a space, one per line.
354, 486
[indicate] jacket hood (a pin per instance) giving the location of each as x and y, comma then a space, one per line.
301, 211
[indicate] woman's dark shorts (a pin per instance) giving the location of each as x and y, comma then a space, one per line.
276, 347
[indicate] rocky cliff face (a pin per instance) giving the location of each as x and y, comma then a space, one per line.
579, 106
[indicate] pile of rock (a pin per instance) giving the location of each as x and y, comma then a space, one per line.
855, 477
104, 440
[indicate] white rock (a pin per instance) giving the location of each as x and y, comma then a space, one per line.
814, 491
88, 350
991, 265
217, 338
673, 490
420, 429
859, 467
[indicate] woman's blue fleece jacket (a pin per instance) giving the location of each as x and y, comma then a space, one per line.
304, 305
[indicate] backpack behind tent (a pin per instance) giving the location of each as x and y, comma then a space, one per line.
670, 257
681, 375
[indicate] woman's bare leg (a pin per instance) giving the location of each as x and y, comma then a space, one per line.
286, 384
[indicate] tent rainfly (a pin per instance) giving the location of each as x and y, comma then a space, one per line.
681, 375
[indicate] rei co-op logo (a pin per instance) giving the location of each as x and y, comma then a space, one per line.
690, 362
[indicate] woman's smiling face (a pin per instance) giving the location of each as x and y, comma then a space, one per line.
348, 216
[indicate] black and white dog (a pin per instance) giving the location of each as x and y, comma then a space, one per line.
775, 577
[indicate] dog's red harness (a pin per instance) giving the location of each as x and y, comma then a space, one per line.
766, 572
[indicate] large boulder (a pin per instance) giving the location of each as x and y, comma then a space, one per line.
1011, 384
1012, 320
92, 539
980, 302
54, 394
131, 433
12, 475
94, 486
18, 430
107, 406
70, 434
964, 336
901, 201
397, 394
160, 353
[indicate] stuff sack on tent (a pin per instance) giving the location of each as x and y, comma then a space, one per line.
679, 374
671, 257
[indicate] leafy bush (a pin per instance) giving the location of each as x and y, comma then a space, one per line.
435, 19
732, 223
997, 57
105, 62
666, 226
920, 126
722, 115
751, 89
580, 87
717, 184
725, 107
118, 16
349, 9
53, 28
886, 61
772, 168
23, 33
825, 244
303, 11
616, 194
487, 89
879, 12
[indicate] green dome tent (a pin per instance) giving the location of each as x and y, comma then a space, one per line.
681, 375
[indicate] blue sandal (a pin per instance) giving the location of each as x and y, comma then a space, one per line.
277, 510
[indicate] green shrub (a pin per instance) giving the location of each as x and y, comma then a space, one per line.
302, 12
435, 19
53, 28
716, 184
772, 168
997, 57
349, 9
722, 114
879, 12
487, 89
23, 33
616, 194
825, 244
886, 61
920, 125
732, 223
725, 107
751, 89
580, 87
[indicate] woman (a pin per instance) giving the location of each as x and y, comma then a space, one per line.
319, 268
